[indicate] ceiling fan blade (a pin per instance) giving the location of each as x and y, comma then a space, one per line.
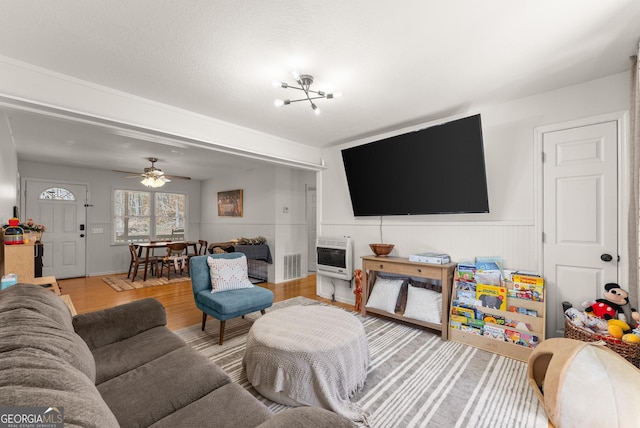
181, 177
126, 172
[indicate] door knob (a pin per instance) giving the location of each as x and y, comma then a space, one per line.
82, 236
606, 257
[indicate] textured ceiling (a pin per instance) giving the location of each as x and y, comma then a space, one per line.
396, 63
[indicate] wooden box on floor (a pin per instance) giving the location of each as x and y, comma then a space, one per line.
507, 349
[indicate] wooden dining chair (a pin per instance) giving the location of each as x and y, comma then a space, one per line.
176, 257
202, 247
137, 263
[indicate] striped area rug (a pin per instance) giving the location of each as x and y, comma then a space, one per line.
415, 379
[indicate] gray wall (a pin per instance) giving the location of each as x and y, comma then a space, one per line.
266, 192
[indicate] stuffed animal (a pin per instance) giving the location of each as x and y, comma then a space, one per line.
358, 289
610, 306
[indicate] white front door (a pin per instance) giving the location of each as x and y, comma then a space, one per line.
61, 208
580, 225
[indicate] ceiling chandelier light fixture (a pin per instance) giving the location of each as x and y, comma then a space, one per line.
154, 177
305, 81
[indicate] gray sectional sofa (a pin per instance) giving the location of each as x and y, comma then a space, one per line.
122, 367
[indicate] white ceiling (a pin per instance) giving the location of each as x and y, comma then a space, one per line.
396, 63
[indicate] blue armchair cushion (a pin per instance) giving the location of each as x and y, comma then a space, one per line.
234, 303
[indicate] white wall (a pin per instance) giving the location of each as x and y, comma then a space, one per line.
508, 230
8, 178
8, 173
266, 191
102, 256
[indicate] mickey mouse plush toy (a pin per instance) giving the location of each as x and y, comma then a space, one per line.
611, 306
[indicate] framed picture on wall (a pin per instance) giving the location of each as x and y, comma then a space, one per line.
230, 203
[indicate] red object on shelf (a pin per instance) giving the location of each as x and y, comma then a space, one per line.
13, 234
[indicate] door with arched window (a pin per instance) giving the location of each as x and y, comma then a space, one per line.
60, 207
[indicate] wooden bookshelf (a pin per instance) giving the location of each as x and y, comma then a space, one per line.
507, 349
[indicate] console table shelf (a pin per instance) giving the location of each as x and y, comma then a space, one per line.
371, 265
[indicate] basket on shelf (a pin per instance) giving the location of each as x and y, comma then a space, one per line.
628, 350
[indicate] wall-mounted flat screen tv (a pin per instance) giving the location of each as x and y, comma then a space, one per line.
435, 170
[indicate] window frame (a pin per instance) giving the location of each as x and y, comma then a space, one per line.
152, 194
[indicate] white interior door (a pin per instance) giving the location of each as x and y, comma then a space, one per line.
580, 185
61, 208
312, 232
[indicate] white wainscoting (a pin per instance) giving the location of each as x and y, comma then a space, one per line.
513, 241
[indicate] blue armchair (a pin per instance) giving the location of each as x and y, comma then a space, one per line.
226, 304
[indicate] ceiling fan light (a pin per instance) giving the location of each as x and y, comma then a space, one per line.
315, 108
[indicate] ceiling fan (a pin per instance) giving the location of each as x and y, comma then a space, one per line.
152, 176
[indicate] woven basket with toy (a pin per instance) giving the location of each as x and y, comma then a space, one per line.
604, 320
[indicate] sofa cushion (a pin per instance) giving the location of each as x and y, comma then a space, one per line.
31, 317
241, 410
149, 393
117, 358
32, 377
111, 325
31, 297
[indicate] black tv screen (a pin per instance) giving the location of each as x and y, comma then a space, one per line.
436, 170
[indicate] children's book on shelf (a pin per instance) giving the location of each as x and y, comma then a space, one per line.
493, 319
528, 287
523, 311
465, 312
471, 329
492, 296
466, 271
521, 338
493, 332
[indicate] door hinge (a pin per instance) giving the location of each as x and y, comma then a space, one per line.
544, 237
544, 157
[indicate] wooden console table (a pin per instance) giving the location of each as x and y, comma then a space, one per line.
400, 265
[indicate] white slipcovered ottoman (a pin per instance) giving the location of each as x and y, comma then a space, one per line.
309, 356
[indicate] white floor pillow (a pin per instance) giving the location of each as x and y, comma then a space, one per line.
385, 294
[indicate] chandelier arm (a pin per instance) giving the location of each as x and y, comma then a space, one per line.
305, 99
307, 91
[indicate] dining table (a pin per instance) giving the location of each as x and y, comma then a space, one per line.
160, 244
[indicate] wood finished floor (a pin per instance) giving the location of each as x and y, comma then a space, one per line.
92, 294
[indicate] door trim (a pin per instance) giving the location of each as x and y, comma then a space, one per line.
87, 198
622, 120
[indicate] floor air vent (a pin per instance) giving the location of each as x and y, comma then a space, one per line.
292, 266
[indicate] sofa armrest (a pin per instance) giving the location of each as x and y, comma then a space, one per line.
304, 417
112, 325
